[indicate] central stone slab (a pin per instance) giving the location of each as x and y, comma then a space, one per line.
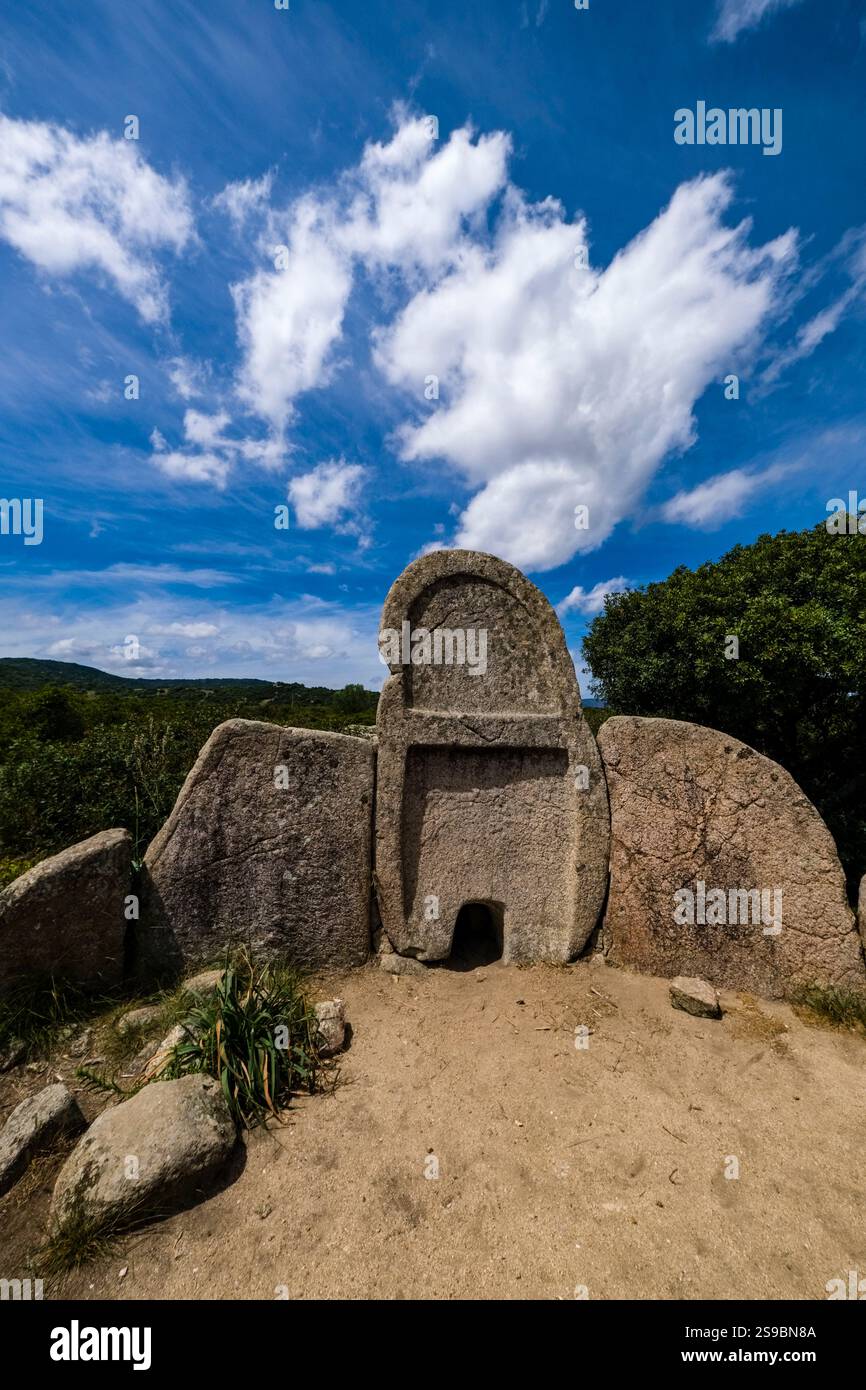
490, 788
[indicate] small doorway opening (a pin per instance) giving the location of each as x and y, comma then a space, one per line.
477, 936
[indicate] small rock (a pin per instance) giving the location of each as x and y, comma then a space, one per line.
180, 1133
159, 1058
79, 1046
695, 996
402, 965
139, 1061
331, 1020
123, 1273
33, 1125
136, 1019
203, 984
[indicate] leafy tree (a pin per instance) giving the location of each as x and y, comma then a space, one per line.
352, 699
54, 716
796, 603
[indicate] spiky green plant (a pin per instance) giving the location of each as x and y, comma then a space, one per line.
256, 1034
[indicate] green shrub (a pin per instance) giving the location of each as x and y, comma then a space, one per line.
72, 764
845, 1008
256, 1034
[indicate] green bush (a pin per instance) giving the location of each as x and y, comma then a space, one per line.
256, 1034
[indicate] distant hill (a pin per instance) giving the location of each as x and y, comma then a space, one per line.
31, 673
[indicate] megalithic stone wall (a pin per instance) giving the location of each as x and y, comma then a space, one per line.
703, 827
269, 845
489, 783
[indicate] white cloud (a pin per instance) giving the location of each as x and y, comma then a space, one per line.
121, 576
720, 498
205, 430
404, 206
413, 200
211, 453
301, 639
734, 16
72, 649
187, 377
69, 204
852, 252
327, 495
184, 629
242, 199
205, 467
560, 384
289, 319
591, 601
564, 385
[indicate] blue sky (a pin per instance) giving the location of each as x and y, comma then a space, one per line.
328, 207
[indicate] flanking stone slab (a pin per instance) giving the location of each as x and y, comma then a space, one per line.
268, 846
489, 783
720, 865
65, 916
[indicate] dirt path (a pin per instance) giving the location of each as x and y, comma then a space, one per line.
558, 1167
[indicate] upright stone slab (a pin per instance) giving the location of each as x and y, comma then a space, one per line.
489, 783
699, 819
268, 845
65, 916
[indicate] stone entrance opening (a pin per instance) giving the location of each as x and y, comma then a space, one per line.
477, 936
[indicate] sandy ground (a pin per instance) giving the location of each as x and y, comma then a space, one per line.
560, 1168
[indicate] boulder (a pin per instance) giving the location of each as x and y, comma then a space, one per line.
65, 916
402, 965
490, 800
720, 865
331, 1020
136, 1019
34, 1125
269, 847
148, 1155
203, 984
695, 997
